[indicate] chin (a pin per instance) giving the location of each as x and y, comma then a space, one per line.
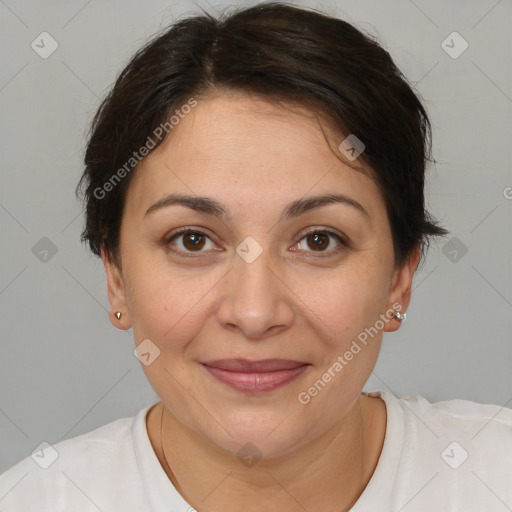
252, 435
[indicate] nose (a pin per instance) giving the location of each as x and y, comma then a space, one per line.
256, 299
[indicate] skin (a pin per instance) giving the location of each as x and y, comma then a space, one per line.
255, 157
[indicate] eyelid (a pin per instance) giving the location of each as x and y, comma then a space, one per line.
183, 231
343, 241
328, 231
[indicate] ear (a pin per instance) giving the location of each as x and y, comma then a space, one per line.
400, 292
116, 293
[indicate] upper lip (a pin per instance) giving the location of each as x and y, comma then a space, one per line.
263, 365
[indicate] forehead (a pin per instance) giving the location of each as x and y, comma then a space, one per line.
239, 147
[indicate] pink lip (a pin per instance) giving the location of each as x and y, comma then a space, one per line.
255, 376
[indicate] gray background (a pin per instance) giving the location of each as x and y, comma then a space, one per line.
66, 370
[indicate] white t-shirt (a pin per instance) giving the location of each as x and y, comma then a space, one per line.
446, 456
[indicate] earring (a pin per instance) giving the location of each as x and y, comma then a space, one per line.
118, 315
401, 317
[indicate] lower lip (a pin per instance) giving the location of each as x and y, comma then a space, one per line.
256, 382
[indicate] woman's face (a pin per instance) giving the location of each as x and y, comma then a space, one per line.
255, 283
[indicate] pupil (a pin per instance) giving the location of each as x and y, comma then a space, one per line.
317, 244
195, 239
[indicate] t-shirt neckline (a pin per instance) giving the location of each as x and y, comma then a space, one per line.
161, 493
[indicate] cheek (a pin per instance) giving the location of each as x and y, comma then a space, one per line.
344, 304
168, 308
346, 310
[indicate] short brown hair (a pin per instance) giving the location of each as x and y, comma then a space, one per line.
282, 52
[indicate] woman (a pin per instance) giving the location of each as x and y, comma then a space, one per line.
254, 187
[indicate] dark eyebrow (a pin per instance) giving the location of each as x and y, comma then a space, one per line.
294, 209
300, 206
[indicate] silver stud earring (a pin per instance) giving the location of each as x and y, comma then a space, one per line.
400, 316
118, 315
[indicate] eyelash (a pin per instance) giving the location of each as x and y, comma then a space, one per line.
321, 254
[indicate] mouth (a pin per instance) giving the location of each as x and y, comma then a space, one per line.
255, 376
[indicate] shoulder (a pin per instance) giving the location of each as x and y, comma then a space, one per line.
82, 470
480, 426
449, 412
460, 450
459, 415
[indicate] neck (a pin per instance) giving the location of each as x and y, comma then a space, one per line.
328, 473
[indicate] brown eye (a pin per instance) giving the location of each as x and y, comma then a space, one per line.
319, 241
191, 241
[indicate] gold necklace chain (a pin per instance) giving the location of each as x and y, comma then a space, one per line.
169, 470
